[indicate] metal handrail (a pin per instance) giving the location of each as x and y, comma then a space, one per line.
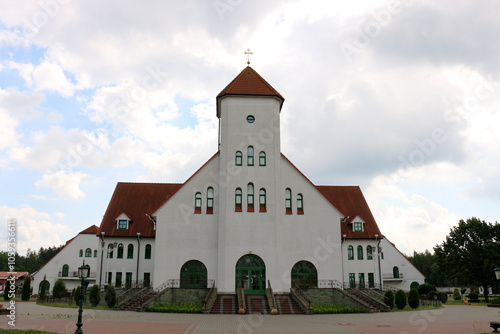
298, 291
273, 305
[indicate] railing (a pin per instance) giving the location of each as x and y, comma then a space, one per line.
329, 284
242, 304
170, 283
211, 283
391, 276
270, 297
74, 274
138, 294
301, 297
209, 301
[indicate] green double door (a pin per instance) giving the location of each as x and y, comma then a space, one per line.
251, 274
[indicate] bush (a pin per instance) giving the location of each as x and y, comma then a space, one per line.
414, 298
94, 295
176, 308
443, 296
456, 294
400, 299
59, 289
425, 289
389, 299
110, 296
26, 289
432, 295
77, 295
473, 295
6, 291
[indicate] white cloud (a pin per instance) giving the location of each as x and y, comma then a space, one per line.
64, 183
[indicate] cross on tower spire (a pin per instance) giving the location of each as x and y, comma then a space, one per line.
248, 53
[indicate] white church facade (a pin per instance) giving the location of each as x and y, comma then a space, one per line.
248, 218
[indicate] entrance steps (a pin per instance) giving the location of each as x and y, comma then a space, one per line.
257, 304
225, 304
287, 305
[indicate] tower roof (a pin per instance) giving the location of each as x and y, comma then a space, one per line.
248, 82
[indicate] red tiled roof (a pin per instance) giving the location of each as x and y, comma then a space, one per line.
349, 200
136, 200
248, 82
90, 230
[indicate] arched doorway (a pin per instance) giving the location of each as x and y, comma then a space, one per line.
193, 275
251, 274
305, 275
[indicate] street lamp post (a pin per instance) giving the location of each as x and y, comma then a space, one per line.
83, 273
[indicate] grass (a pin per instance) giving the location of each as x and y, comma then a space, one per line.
25, 331
334, 309
73, 305
176, 308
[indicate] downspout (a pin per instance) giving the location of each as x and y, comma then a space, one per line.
138, 257
102, 256
378, 257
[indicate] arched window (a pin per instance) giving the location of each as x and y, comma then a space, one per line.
95, 252
110, 251
350, 253
197, 202
262, 158
369, 252
250, 197
80, 254
300, 204
237, 199
304, 275
210, 200
193, 275
395, 272
119, 254
88, 252
288, 201
147, 252
360, 252
65, 271
262, 200
250, 156
238, 159
130, 251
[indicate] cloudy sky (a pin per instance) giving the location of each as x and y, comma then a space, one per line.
400, 97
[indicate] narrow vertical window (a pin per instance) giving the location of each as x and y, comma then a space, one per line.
130, 251
110, 251
88, 252
250, 156
369, 252
237, 199
350, 253
119, 254
262, 200
250, 197
360, 252
65, 271
238, 160
288, 201
395, 272
210, 200
262, 158
197, 202
300, 204
147, 252
95, 252
80, 254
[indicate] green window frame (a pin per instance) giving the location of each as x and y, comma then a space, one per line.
130, 251
352, 280
80, 253
300, 204
238, 158
350, 253
119, 254
65, 271
95, 252
360, 252
147, 252
369, 252
250, 197
358, 227
197, 202
118, 280
88, 252
305, 275
250, 153
371, 280
193, 275
361, 279
262, 158
288, 201
262, 200
210, 200
238, 194
395, 272
122, 224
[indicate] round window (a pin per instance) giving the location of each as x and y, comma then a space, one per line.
250, 119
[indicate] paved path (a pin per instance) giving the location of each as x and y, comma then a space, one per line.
451, 319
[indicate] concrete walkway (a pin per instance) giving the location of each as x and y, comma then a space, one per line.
451, 319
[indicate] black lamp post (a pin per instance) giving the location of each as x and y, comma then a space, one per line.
83, 273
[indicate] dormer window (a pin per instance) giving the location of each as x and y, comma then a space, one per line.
357, 227
122, 224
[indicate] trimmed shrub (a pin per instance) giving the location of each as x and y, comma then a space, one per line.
456, 294
59, 289
26, 289
94, 295
110, 296
432, 295
424, 289
7, 291
77, 295
389, 298
400, 299
474, 295
414, 298
443, 297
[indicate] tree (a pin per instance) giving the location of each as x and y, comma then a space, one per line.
6, 291
426, 263
110, 296
414, 298
471, 252
59, 289
94, 295
26, 294
389, 299
400, 299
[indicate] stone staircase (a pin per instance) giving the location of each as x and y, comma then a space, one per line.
257, 304
287, 305
225, 304
136, 303
374, 304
